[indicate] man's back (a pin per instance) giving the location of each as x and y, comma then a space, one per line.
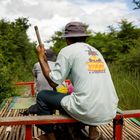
41, 82
94, 100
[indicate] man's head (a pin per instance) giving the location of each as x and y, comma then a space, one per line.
51, 56
75, 32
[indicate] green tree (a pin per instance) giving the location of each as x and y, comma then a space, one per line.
129, 35
58, 42
17, 54
137, 3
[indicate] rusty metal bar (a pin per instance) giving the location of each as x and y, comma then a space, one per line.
31, 84
28, 132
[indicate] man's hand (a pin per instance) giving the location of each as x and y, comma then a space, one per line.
41, 51
44, 64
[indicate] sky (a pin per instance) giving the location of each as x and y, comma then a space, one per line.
53, 15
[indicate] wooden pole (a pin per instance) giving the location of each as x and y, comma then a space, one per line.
38, 35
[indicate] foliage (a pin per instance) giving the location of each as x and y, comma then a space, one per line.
5, 81
137, 3
16, 52
130, 53
58, 42
107, 44
127, 86
131, 60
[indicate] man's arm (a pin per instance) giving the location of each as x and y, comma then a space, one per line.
44, 65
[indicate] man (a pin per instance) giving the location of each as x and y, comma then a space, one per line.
94, 100
41, 82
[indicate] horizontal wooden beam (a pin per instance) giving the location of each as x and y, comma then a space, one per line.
129, 114
25, 83
29, 120
60, 119
53, 119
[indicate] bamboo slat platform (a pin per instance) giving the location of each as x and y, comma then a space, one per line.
131, 131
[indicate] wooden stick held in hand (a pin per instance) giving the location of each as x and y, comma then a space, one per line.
38, 35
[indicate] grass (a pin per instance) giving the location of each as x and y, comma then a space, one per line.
127, 85
22, 90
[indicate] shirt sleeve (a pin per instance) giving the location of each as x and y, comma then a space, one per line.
61, 69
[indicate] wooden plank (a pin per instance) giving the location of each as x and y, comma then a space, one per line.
11, 133
133, 125
22, 133
129, 114
14, 133
103, 132
34, 131
53, 119
29, 120
3, 111
2, 134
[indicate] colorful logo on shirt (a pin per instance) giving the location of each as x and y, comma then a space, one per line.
95, 65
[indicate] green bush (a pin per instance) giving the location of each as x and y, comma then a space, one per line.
17, 55
127, 86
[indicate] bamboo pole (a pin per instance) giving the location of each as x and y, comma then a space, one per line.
38, 35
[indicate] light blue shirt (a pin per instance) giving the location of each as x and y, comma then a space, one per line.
94, 100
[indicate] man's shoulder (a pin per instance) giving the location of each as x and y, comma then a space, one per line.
73, 49
36, 65
74, 46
